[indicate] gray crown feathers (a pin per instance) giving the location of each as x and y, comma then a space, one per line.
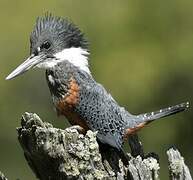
61, 27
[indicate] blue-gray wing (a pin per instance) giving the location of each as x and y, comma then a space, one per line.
101, 113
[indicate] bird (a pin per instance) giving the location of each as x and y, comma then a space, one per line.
59, 47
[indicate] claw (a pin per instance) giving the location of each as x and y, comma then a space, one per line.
80, 129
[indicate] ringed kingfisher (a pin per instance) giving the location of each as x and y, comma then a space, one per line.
59, 47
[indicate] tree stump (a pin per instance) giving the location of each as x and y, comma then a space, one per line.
56, 154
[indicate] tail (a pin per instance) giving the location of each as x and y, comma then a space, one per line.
147, 117
143, 119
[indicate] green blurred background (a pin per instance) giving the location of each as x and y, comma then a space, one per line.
141, 51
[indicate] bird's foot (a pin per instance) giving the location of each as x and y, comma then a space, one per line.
80, 129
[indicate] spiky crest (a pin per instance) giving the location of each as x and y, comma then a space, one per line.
60, 28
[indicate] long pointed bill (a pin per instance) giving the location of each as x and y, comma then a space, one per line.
25, 66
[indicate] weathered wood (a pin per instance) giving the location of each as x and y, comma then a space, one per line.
57, 154
177, 167
2, 176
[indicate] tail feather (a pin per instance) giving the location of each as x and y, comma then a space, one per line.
143, 119
163, 112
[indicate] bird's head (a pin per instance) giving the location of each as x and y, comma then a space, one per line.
54, 39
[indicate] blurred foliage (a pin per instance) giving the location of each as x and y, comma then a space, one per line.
141, 51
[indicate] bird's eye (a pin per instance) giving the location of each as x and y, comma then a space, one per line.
45, 45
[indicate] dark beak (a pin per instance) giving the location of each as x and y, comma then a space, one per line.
25, 66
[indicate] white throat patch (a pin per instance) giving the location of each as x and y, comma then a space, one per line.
77, 56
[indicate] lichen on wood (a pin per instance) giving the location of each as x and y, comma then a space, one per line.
2, 176
178, 170
57, 154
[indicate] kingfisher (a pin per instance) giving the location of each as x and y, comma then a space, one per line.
59, 46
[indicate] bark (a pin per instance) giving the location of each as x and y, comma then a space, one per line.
56, 154
177, 168
2, 176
